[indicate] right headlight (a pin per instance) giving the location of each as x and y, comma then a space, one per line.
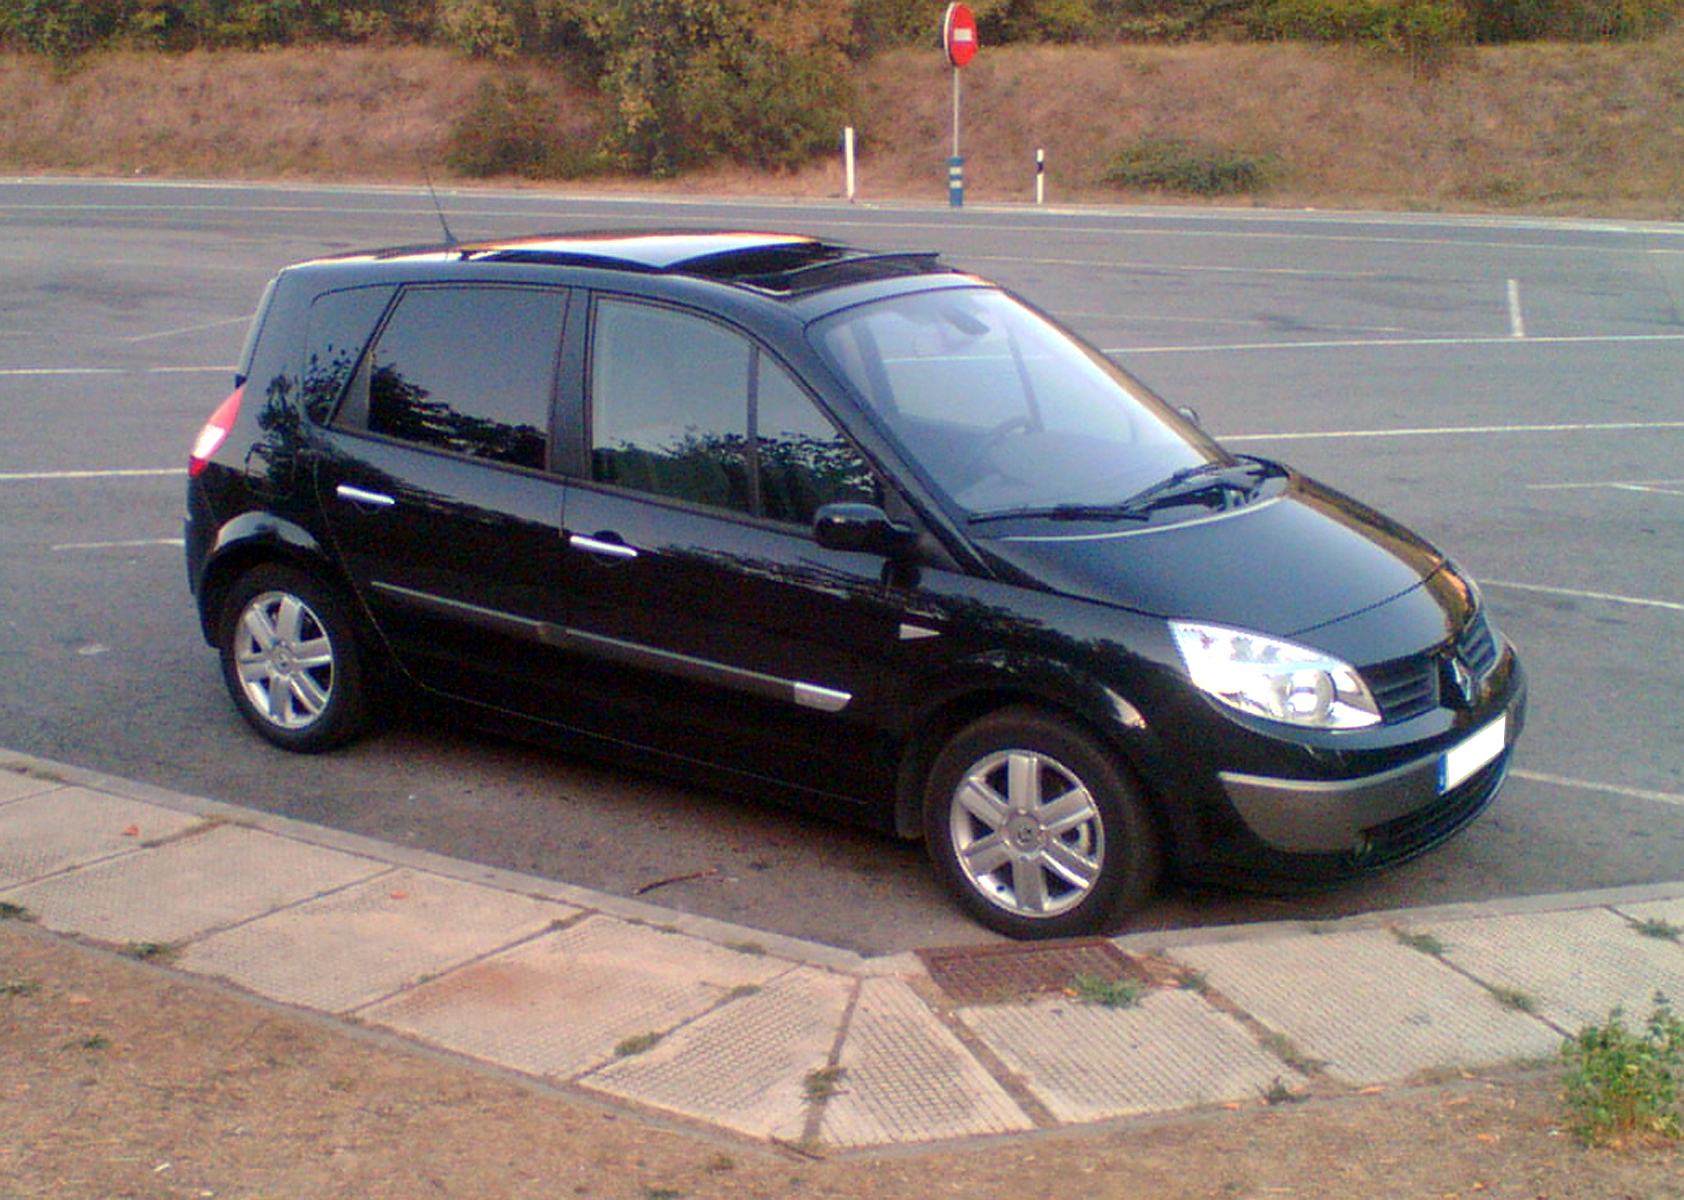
1279, 680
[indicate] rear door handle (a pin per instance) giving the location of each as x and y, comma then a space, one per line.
602, 549
356, 495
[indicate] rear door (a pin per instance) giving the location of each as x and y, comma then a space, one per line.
433, 473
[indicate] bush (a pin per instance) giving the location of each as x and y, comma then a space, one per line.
1423, 29
513, 128
1174, 165
1570, 20
691, 81
1621, 1084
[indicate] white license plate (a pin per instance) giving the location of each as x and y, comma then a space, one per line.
1459, 762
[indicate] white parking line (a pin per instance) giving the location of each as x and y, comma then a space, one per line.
28, 476
1576, 594
177, 542
1350, 343
1609, 788
1449, 431
24, 372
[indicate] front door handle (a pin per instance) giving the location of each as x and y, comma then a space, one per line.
602, 549
357, 495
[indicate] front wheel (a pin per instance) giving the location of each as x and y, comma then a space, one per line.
291, 661
1037, 828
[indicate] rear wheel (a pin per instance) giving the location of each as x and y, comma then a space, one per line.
1037, 828
291, 661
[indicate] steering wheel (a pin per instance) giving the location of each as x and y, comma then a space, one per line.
973, 459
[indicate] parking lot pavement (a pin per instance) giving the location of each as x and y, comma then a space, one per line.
768, 1037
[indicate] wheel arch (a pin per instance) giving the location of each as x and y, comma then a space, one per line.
253, 539
1056, 689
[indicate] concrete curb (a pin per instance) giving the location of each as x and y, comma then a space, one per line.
752, 1033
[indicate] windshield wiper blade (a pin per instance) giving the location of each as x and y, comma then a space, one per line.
1240, 477
1064, 512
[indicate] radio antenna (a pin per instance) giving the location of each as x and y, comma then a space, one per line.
449, 237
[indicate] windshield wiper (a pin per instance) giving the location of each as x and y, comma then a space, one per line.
1239, 478
1190, 483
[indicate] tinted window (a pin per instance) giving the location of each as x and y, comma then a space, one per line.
468, 370
686, 408
340, 323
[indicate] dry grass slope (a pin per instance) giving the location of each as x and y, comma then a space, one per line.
1593, 129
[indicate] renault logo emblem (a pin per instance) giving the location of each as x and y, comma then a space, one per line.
1458, 684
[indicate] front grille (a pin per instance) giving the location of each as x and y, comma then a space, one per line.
1408, 687
1419, 831
1405, 687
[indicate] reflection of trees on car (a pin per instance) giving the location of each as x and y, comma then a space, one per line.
400, 409
785, 478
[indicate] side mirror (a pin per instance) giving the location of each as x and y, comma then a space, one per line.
862, 529
1191, 414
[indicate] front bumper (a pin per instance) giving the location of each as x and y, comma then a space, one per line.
1388, 816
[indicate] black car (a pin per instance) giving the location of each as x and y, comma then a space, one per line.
856, 528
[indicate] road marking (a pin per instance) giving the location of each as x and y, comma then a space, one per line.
1573, 593
1450, 431
120, 545
1611, 789
1517, 321
168, 333
1652, 487
1506, 340
17, 372
26, 476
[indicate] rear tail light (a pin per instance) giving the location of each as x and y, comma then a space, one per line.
215, 431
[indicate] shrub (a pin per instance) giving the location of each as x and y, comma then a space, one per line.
1425, 30
514, 128
1621, 1083
1570, 20
1175, 165
695, 80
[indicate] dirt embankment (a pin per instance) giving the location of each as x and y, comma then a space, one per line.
1580, 129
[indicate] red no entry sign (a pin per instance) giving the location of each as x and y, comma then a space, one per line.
958, 34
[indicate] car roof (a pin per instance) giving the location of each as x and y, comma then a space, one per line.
773, 263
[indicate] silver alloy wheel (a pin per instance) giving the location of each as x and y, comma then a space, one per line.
1027, 833
284, 659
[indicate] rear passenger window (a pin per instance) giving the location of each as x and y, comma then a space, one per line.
687, 408
469, 370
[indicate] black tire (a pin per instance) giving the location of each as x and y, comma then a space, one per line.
1037, 828
291, 660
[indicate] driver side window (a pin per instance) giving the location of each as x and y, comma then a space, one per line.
687, 408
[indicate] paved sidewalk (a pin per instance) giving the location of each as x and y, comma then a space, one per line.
773, 1038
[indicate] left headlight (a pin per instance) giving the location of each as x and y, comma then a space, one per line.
1267, 677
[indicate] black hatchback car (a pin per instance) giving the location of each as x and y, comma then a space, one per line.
858, 529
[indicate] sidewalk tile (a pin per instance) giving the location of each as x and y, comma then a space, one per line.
15, 785
561, 1003
1086, 1062
1575, 965
70, 827
909, 1079
358, 945
1372, 1009
186, 888
744, 1065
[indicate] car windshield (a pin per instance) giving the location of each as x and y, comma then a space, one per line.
1008, 414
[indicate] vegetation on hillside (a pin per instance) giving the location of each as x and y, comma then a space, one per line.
572, 88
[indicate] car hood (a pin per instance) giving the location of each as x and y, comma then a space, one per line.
1281, 566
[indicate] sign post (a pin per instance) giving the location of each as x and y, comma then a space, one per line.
959, 40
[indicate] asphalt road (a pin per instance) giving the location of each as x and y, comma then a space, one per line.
1510, 388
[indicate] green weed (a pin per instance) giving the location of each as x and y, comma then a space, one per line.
1623, 1083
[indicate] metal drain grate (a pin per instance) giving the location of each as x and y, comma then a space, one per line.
999, 974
